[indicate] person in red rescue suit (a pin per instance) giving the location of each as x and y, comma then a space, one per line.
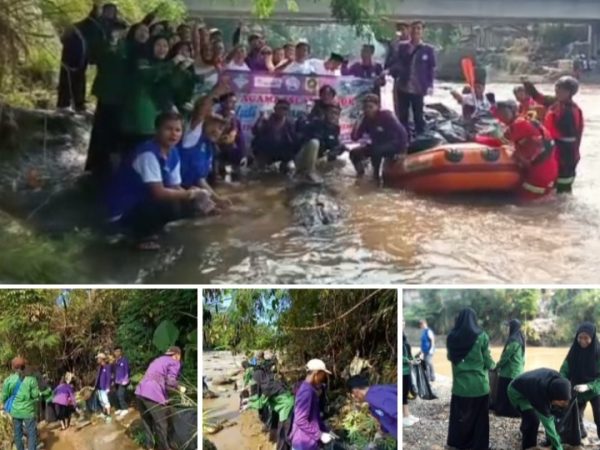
564, 122
534, 152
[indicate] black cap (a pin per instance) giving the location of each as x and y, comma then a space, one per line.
357, 382
336, 57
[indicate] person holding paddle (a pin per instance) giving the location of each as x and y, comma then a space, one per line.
413, 68
20, 396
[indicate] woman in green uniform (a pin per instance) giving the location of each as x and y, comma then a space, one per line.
538, 395
146, 93
510, 366
469, 353
582, 369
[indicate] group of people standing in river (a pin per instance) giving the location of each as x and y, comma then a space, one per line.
166, 128
539, 396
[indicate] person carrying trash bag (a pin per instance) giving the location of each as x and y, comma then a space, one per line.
582, 368
469, 352
539, 396
510, 366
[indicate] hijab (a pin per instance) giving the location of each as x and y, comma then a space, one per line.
515, 334
463, 336
583, 362
406, 349
150, 48
541, 386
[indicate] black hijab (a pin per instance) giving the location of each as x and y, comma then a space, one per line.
583, 362
541, 386
463, 336
150, 48
515, 334
406, 349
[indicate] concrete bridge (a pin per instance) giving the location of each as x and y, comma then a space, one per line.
480, 11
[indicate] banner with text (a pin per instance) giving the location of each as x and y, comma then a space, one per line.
258, 92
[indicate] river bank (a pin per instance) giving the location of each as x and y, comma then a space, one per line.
430, 432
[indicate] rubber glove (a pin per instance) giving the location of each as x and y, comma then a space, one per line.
582, 388
326, 438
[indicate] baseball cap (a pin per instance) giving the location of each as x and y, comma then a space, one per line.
173, 351
316, 365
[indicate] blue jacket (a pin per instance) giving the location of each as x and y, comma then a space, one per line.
197, 161
426, 344
383, 405
128, 190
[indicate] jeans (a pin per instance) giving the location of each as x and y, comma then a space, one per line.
405, 103
30, 426
429, 364
121, 393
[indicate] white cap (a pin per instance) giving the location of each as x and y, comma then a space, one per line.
101, 356
315, 365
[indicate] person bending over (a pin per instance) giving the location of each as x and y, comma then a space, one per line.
197, 164
534, 152
539, 395
388, 137
382, 401
146, 193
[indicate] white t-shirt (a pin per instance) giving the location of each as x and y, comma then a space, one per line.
305, 68
240, 67
320, 69
147, 166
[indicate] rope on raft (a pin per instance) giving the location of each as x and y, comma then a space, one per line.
346, 314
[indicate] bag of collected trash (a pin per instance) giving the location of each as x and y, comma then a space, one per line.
568, 424
421, 382
493, 376
184, 432
425, 141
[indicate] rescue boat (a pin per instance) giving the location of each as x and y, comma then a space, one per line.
455, 168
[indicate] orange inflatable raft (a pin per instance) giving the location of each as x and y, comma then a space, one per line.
454, 168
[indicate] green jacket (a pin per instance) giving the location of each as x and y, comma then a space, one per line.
470, 376
26, 401
521, 403
594, 385
148, 89
183, 83
109, 85
512, 361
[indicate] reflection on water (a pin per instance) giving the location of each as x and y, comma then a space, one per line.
391, 236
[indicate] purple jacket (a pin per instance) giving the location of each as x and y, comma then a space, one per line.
422, 57
308, 425
361, 71
162, 374
383, 129
64, 395
256, 62
122, 371
383, 404
104, 377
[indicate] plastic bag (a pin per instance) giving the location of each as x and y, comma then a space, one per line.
493, 376
568, 424
421, 382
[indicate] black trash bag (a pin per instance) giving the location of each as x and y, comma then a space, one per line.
421, 382
184, 429
50, 413
493, 376
568, 425
425, 141
283, 434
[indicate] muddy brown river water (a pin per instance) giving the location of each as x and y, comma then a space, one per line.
386, 236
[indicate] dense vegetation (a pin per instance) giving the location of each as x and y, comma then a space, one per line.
566, 308
64, 330
335, 325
